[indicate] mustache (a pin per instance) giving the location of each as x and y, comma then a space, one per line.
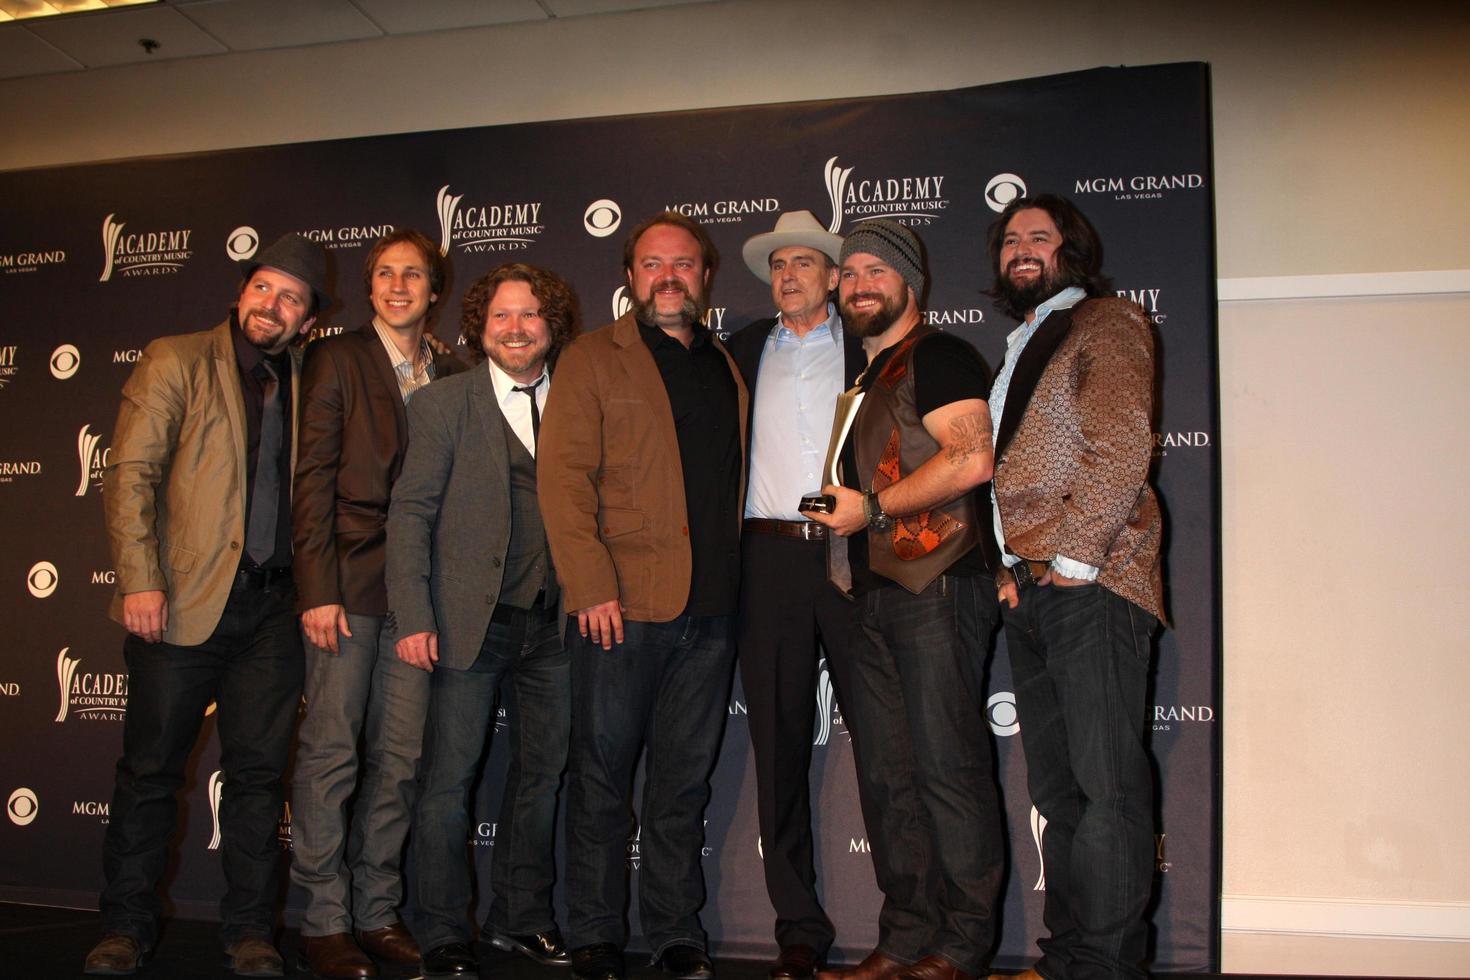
855, 297
1015, 263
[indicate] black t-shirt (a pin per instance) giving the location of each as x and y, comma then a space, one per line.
946, 369
706, 407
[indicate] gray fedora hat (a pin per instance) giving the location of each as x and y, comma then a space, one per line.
295, 256
792, 228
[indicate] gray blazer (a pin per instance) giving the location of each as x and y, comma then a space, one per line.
449, 520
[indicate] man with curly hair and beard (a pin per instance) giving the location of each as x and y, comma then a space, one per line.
474, 598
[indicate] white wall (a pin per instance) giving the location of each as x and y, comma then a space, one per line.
1341, 135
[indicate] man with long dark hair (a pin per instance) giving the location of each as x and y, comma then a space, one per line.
1079, 529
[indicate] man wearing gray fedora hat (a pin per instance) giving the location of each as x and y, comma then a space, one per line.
795, 365
197, 497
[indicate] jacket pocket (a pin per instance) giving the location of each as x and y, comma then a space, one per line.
617, 521
179, 559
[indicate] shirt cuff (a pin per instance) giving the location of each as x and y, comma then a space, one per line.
1074, 569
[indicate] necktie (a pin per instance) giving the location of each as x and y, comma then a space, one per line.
260, 537
530, 392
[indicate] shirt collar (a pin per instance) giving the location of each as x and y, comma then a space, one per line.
395, 356
833, 326
1064, 300
505, 385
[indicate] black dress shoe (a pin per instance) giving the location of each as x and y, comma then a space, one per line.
686, 963
796, 962
547, 948
451, 960
600, 961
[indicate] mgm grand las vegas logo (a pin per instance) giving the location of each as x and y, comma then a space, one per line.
87, 695
914, 200
148, 253
494, 227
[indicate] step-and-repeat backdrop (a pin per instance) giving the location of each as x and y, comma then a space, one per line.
96, 260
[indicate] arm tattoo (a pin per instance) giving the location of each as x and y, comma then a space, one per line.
970, 438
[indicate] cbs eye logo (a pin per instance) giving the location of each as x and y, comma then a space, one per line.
42, 579
1002, 190
242, 243
64, 361
1000, 712
602, 218
22, 806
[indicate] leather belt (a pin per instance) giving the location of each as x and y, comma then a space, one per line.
1029, 572
260, 578
507, 615
806, 530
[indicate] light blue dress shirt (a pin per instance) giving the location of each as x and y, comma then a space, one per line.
795, 399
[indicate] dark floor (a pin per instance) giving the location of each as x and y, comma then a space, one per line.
45, 943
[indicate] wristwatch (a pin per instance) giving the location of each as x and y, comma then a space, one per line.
873, 511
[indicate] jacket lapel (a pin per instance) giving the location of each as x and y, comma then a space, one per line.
1033, 361
486, 417
377, 354
227, 373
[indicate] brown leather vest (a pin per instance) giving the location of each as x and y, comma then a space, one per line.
890, 441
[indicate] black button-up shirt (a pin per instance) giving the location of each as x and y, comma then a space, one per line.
248, 359
706, 406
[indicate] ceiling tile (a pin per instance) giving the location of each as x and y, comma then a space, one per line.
111, 37
250, 25
418, 16
23, 53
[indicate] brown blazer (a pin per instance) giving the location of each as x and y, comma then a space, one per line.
354, 432
174, 488
1074, 447
610, 479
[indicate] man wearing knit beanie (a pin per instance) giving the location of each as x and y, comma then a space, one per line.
912, 441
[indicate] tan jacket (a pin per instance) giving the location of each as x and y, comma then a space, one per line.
174, 487
610, 479
1071, 471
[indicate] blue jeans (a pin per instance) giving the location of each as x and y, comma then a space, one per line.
1080, 662
251, 667
527, 647
666, 688
352, 875
925, 768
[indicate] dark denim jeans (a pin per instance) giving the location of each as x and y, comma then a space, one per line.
461, 710
251, 666
1080, 662
666, 687
925, 768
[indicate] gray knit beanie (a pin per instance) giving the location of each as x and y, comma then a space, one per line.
895, 245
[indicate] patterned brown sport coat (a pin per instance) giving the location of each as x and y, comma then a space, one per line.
1074, 447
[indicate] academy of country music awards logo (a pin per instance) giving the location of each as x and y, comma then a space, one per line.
145, 253
92, 459
479, 227
8, 367
216, 791
15, 262
1139, 187
909, 199
87, 695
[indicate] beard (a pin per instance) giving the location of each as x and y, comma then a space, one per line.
871, 324
518, 361
1018, 299
693, 309
262, 330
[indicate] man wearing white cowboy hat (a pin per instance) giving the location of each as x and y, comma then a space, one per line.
795, 365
